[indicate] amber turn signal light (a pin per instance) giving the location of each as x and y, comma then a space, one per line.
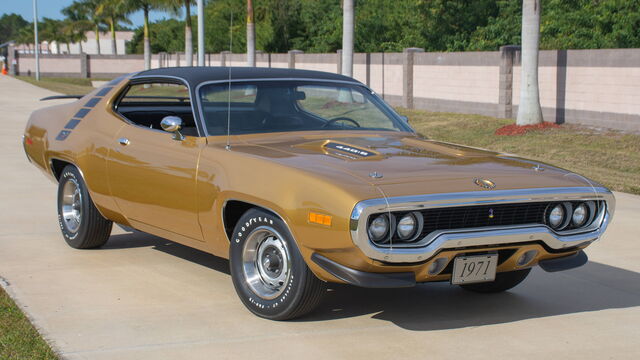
319, 219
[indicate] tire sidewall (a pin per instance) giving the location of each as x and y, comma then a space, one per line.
74, 239
286, 302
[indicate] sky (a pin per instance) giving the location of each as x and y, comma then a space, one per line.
51, 9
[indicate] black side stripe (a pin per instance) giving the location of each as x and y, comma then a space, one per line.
63, 135
72, 124
93, 102
82, 113
104, 91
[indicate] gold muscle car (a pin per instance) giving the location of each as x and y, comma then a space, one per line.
301, 178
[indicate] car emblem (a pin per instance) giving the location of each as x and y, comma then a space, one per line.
491, 214
484, 183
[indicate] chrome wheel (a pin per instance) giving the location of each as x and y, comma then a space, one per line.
71, 205
266, 262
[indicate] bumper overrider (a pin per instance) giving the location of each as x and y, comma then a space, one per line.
566, 244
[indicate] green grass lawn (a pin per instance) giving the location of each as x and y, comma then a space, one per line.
68, 86
609, 157
19, 340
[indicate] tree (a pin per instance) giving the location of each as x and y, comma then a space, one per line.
114, 12
77, 23
188, 33
146, 6
10, 26
251, 35
529, 111
347, 37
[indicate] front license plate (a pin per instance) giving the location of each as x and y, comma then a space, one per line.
474, 269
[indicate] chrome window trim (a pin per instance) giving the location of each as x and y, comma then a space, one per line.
456, 238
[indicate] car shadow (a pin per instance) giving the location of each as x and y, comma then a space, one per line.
136, 239
439, 306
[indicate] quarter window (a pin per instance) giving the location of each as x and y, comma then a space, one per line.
148, 103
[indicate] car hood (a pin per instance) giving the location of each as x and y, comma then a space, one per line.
405, 164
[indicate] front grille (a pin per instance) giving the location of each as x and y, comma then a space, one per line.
482, 216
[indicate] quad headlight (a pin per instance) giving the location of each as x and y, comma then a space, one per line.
396, 227
407, 226
379, 228
557, 216
571, 215
580, 215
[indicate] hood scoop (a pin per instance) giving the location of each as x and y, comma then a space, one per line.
341, 150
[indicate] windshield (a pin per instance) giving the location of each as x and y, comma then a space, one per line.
274, 106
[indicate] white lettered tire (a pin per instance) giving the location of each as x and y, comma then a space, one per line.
82, 225
268, 272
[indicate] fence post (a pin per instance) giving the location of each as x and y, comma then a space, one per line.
292, 57
407, 76
367, 68
11, 59
223, 58
505, 91
339, 62
84, 66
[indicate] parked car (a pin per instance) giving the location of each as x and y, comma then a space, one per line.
303, 178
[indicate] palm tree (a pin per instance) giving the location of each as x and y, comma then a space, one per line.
114, 12
529, 111
347, 37
251, 35
50, 31
188, 34
147, 6
25, 37
88, 8
77, 23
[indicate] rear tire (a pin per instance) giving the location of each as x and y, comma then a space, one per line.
268, 271
82, 225
503, 282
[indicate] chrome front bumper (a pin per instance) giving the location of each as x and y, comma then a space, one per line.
471, 237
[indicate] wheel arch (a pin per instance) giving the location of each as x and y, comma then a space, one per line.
233, 209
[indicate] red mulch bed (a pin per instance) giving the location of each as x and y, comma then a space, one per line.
514, 129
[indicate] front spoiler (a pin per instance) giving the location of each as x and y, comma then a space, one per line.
408, 279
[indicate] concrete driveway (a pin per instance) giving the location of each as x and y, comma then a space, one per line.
142, 297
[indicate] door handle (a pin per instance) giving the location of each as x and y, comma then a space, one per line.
123, 141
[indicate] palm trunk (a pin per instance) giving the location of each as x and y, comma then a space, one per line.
80, 46
147, 44
347, 38
188, 36
98, 38
251, 36
114, 49
68, 48
529, 111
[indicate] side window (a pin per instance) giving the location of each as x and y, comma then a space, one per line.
147, 104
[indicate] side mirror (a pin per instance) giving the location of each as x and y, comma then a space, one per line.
172, 124
404, 118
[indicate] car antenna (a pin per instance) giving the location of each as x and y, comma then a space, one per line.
228, 146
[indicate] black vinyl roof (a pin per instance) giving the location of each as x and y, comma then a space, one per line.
199, 74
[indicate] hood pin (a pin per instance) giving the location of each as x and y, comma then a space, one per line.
375, 175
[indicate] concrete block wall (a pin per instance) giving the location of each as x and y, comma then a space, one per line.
593, 87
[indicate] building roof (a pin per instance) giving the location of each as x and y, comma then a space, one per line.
197, 75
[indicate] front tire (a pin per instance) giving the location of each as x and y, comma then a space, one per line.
268, 271
503, 282
82, 226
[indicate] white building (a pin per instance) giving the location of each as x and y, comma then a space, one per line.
89, 46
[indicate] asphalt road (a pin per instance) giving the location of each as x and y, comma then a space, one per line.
142, 297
